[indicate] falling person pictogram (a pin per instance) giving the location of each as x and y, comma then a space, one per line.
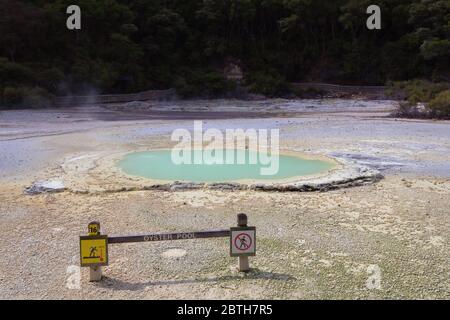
93, 251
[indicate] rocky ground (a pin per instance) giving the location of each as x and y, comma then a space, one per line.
384, 240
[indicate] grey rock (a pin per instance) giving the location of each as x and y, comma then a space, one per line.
49, 186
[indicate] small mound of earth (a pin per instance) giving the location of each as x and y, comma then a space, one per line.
174, 253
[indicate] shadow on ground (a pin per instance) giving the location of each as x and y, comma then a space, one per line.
117, 284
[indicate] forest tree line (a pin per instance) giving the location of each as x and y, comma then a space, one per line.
134, 45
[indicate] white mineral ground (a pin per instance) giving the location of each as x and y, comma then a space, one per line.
388, 239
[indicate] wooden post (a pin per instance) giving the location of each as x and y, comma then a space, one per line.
243, 265
95, 272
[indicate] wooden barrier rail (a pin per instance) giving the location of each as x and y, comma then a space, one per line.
169, 236
94, 246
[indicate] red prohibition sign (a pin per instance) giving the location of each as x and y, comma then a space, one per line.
243, 241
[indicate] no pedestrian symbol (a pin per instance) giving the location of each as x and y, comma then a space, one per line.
243, 241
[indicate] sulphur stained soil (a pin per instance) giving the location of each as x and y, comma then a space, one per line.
382, 240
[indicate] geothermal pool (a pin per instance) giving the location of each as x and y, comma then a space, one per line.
159, 165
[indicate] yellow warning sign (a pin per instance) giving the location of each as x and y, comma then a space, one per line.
94, 250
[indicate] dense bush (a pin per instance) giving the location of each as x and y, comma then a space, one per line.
417, 91
129, 46
12, 73
22, 86
51, 79
440, 105
423, 98
12, 96
270, 84
205, 83
25, 97
308, 93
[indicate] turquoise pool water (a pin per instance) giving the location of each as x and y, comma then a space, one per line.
158, 165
